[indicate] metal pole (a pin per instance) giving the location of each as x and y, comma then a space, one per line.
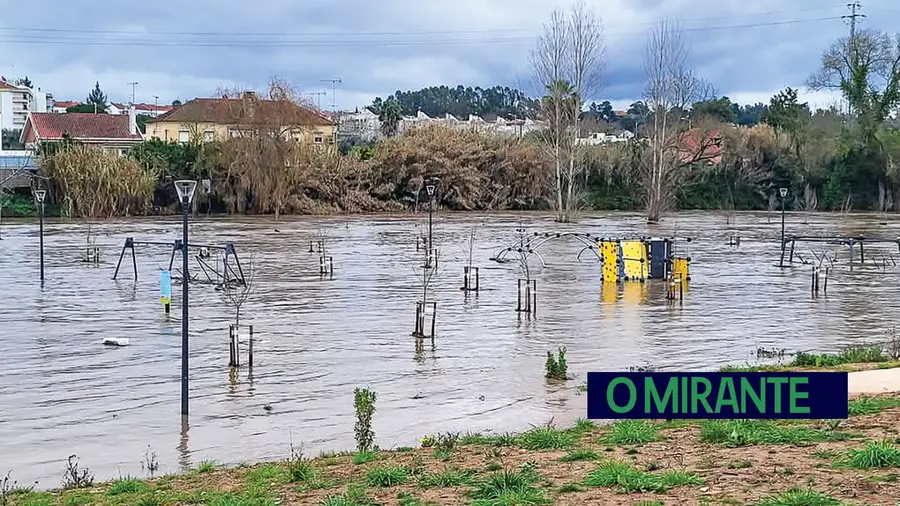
430, 209
184, 307
42, 240
782, 231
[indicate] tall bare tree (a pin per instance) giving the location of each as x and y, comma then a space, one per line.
567, 63
670, 90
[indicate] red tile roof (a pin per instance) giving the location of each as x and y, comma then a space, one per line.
230, 111
7, 86
66, 104
694, 146
79, 125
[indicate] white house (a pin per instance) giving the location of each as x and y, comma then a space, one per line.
598, 138
17, 101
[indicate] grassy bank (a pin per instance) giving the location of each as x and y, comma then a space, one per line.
781, 463
850, 359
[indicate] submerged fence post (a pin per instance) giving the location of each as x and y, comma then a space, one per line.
467, 279
422, 309
250, 358
526, 298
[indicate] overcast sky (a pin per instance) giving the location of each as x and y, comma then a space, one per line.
189, 48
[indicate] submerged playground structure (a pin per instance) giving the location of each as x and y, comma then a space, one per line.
623, 258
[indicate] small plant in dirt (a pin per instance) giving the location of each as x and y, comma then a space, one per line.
355, 495
150, 465
580, 454
406, 499
628, 479
546, 438
74, 476
556, 366
739, 464
447, 478
386, 476
9, 488
509, 487
876, 454
446, 442
569, 488
735, 433
799, 497
583, 425
364, 457
850, 355
127, 486
207, 466
633, 432
300, 469
364, 403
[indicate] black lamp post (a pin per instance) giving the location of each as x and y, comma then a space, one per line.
430, 190
185, 191
39, 196
783, 192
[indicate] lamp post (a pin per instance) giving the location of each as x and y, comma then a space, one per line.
430, 190
185, 191
39, 196
783, 192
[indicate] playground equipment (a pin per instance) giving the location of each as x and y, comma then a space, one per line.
226, 277
623, 258
849, 242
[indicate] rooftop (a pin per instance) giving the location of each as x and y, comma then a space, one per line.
81, 125
226, 111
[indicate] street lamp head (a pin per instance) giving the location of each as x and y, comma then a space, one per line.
39, 195
185, 189
430, 190
783, 192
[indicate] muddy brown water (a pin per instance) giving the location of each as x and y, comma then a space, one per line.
63, 393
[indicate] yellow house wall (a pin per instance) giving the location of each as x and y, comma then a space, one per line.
169, 131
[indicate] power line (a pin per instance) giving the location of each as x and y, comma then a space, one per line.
365, 34
331, 43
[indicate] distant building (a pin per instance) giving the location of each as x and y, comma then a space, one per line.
367, 126
112, 132
60, 107
152, 110
209, 119
17, 101
597, 138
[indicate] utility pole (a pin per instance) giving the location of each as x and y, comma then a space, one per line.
132, 90
854, 7
333, 83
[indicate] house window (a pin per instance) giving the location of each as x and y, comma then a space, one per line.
208, 135
318, 138
184, 136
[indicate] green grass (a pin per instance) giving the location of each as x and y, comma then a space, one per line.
626, 478
127, 486
739, 464
583, 425
799, 497
865, 405
825, 454
353, 496
569, 488
447, 478
407, 499
405, 449
632, 432
650, 503
507, 488
851, 355
546, 438
875, 455
580, 454
386, 476
365, 457
206, 466
755, 432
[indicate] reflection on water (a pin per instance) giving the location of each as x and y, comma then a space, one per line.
62, 392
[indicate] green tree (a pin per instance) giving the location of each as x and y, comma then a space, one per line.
92, 108
719, 109
10, 139
788, 117
98, 98
24, 82
176, 103
141, 120
390, 114
461, 101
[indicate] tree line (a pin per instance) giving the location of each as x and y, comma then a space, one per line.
694, 148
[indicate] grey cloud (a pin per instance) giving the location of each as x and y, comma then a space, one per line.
745, 60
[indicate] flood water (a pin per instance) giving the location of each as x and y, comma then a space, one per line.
62, 392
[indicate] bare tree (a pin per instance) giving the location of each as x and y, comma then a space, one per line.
567, 64
237, 293
670, 90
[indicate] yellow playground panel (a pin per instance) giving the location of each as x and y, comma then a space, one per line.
609, 253
634, 260
681, 268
